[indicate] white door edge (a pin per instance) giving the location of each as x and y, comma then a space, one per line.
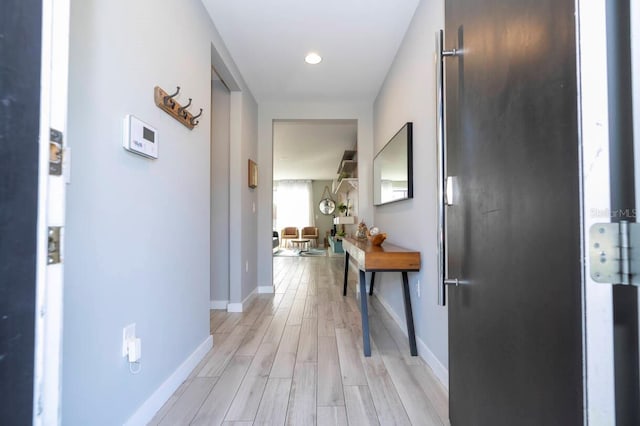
635, 82
51, 212
599, 398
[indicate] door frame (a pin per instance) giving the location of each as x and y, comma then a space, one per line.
598, 352
51, 212
594, 140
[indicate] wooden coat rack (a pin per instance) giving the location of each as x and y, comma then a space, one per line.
168, 104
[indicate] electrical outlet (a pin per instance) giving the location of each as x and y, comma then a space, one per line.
134, 350
128, 333
418, 289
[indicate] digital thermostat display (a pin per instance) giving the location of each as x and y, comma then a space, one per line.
148, 134
139, 137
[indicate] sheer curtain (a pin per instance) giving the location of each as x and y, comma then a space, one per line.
293, 204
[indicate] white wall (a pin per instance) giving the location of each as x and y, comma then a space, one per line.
138, 230
408, 94
242, 236
269, 111
220, 113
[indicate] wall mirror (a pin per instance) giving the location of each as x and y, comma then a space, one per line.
393, 168
327, 206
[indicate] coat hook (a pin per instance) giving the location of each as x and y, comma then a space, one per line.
182, 111
168, 100
193, 119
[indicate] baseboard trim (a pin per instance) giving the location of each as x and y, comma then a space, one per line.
218, 304
440, 371
266, 289
234, 307
239, 307
150, 407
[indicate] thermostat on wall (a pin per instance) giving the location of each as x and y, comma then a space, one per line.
139, 137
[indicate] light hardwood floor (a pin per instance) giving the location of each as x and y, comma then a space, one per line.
295, 357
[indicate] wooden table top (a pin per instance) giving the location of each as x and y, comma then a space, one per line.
387, 257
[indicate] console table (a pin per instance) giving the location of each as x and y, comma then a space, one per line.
385, 258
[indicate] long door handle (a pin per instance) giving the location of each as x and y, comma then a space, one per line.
443, 272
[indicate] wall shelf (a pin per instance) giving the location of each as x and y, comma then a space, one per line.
348, 167
344, 220
348, 164
345, 185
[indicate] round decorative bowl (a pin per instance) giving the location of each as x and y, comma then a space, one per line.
377, 239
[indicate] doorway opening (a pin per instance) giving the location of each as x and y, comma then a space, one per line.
315, 178
219, 191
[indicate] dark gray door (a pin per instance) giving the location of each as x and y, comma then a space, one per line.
20, 33
515, 355
623, 198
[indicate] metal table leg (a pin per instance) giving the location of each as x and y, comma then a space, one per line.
346, 272
409, 314
364, 313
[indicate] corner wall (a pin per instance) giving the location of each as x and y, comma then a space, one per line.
220, 99
408, 94
138, 230
249, 205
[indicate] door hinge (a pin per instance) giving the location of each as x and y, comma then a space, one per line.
614, 253
53, 245
55, 152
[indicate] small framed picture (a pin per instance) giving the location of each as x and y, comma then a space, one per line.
253, 174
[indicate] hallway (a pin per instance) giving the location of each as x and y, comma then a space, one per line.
295, 357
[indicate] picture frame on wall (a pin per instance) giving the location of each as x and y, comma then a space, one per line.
253, 174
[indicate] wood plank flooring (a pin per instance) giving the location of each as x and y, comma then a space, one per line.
295, 358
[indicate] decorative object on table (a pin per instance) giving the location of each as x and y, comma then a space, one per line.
168, 104
361, 233
377, 239
253, 174
340, 235
375, 236
327, 205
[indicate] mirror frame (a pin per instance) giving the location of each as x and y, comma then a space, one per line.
326, 201
409, 142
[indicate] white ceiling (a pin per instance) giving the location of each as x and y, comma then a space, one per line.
269, 39
311, 149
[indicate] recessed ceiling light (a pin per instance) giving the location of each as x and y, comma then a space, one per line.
313, 58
